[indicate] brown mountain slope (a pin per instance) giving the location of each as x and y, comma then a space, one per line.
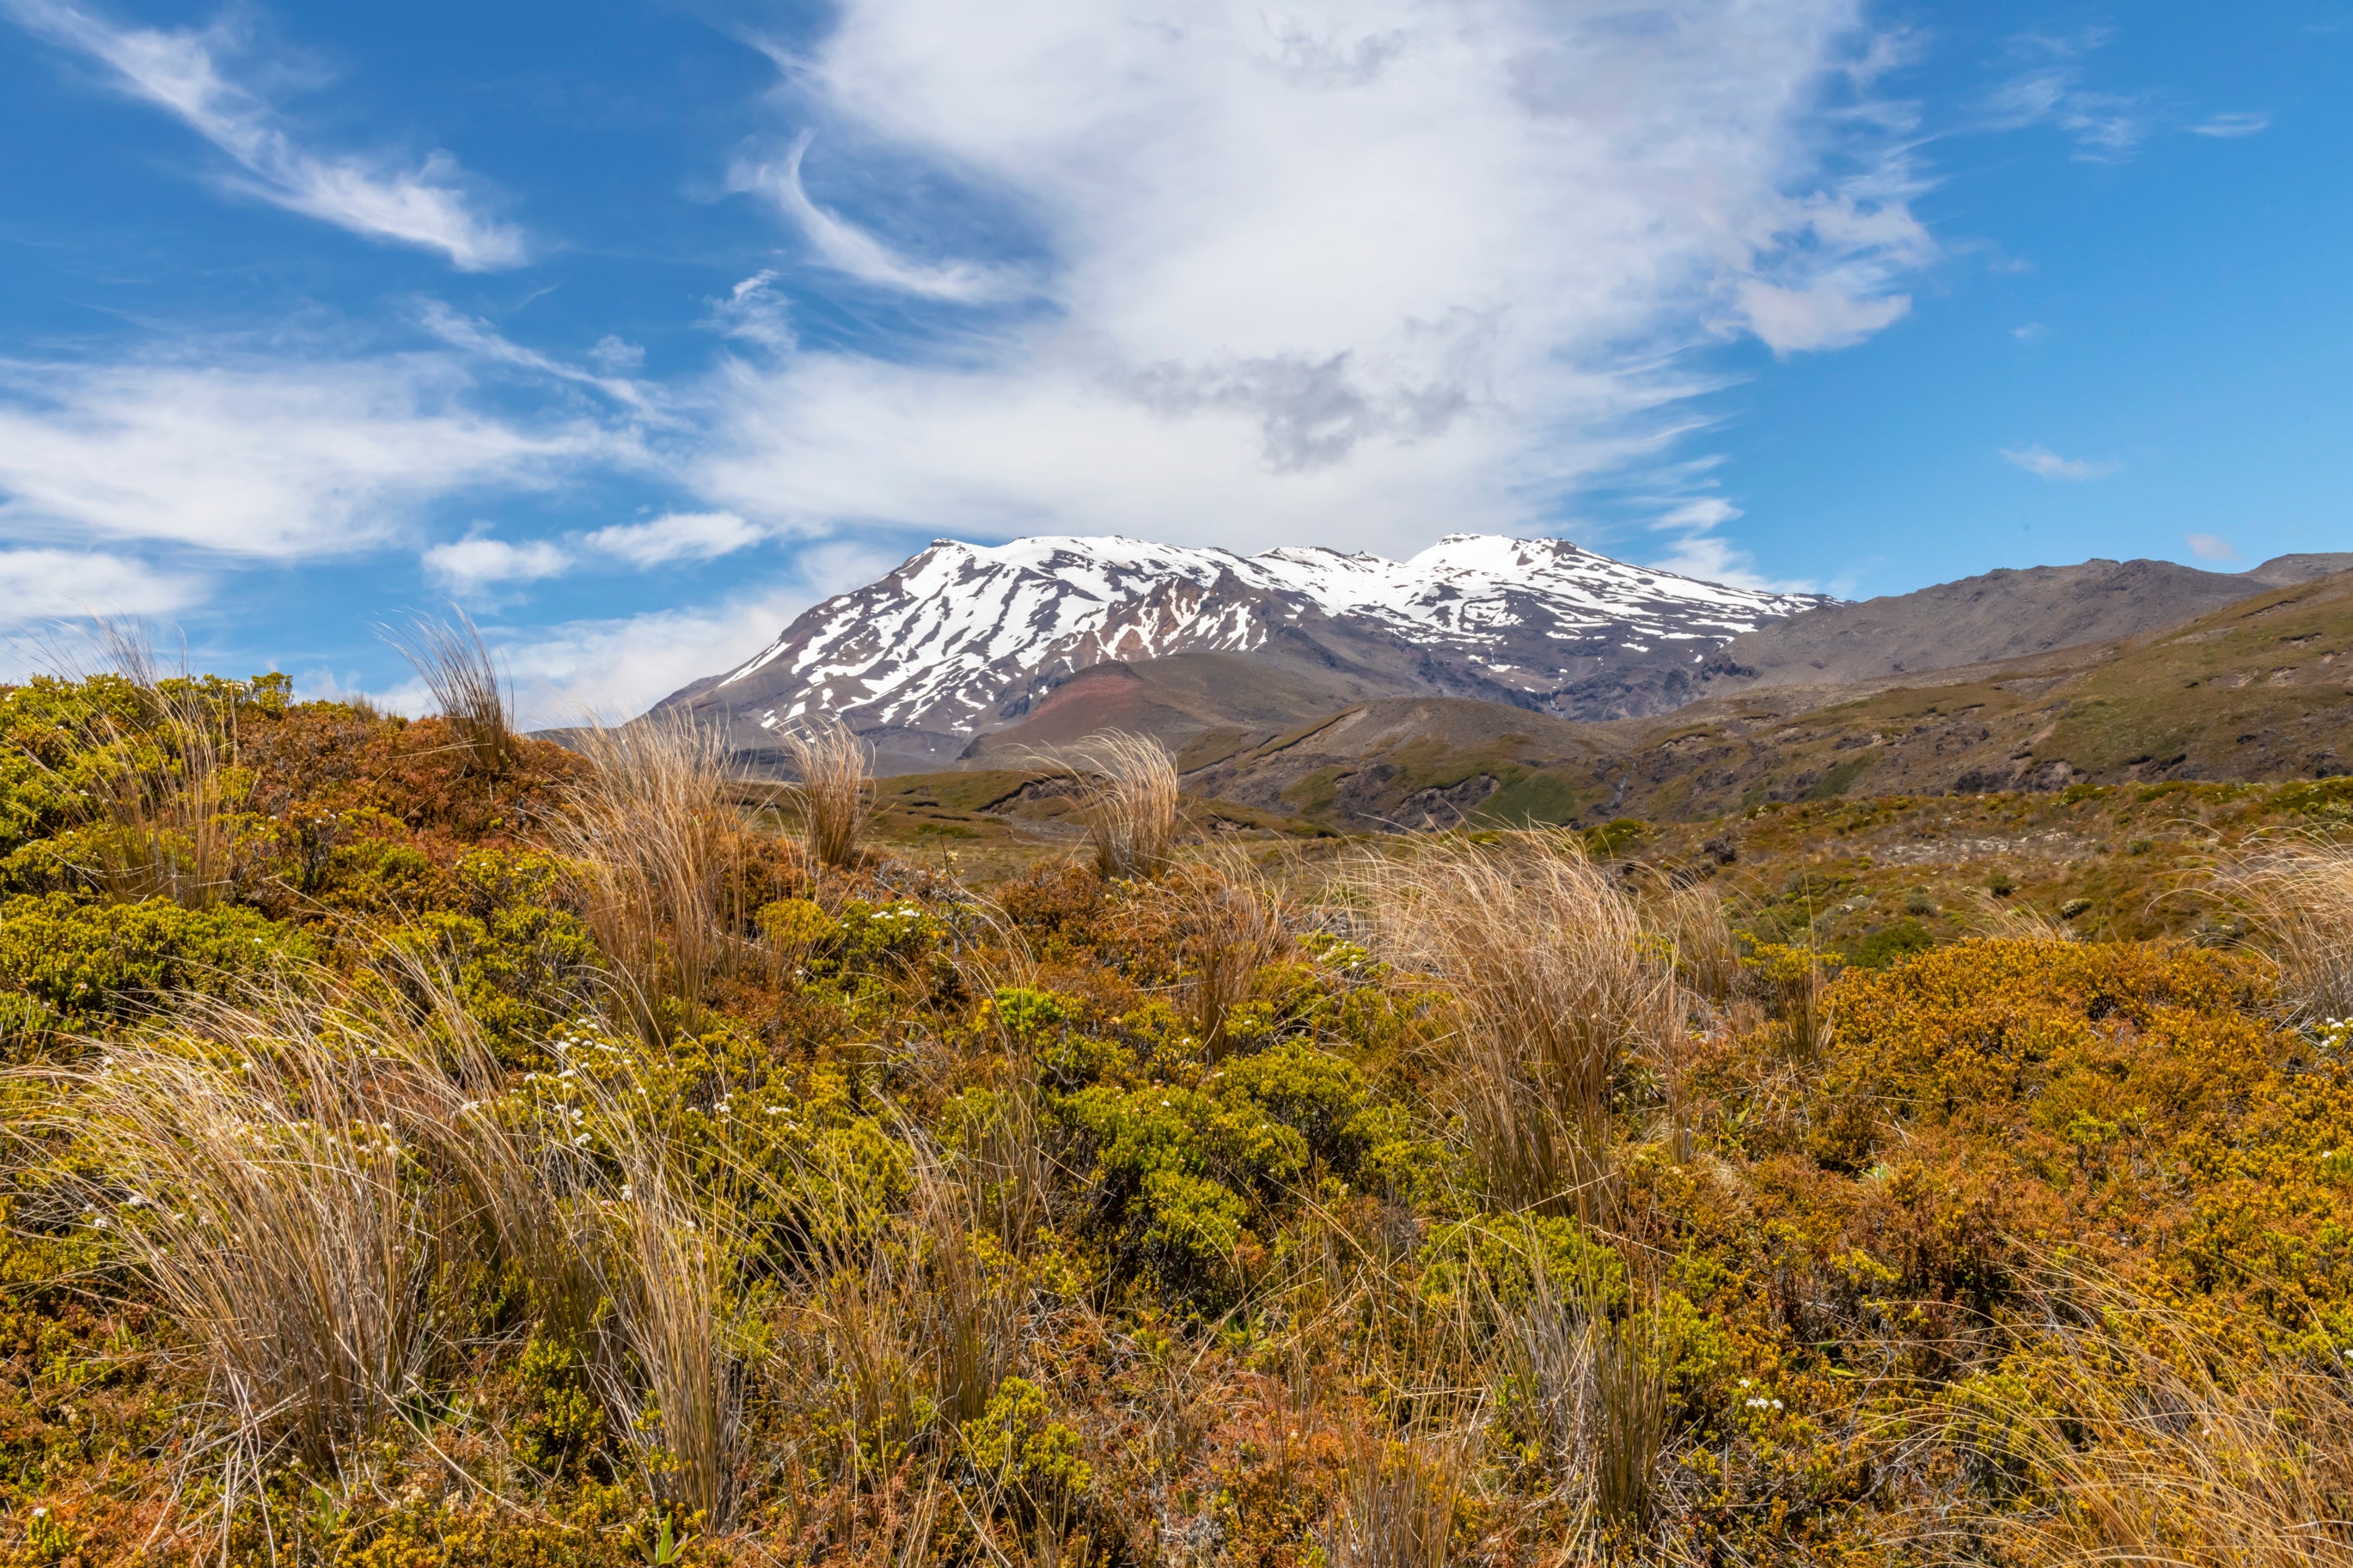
1999, 616
1416, 762
2260, 689
1174, 700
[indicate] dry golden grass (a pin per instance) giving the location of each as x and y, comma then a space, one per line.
836, 788
1707, 954
1396, 1505
1229, 922
671, 1363
1128, 802
171, 782
1554, 983
457, 668
2144, 1440
2299, 893
648, 826
256, 1163
577, 1183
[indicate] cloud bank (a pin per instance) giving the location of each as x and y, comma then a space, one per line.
1354, 273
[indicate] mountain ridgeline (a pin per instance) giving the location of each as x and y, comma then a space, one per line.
1529, 680
963, 641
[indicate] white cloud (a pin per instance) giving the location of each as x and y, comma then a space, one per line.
2046, 464
1355, 272
2233, 126
846, 248
2210, 547
64, 584
466, 566
679, 536
2029, 332
247, 454
624, 665
427, 204
1701, 552
483, 341
2106, 127
1823, 317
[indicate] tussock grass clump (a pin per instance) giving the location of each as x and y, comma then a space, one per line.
1628, 1426
1555, 983
2144, 1439
1396, 1504
1227, 922
2300, 896
256, 1162
165, 780
1707, 951
1128, 802
473, 697
649, 826
576, 1181
836, 789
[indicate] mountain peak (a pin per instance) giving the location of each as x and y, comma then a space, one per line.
961, 639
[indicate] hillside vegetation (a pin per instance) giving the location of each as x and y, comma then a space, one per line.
2261, 689
431, 1146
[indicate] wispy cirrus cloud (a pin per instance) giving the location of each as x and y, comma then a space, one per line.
2210, 547
2045, 464
2230, 126
2048, 89
481, 560
267, 451
848, 248
621, 665
428, 204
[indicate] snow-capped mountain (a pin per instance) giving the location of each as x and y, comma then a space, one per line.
961, 639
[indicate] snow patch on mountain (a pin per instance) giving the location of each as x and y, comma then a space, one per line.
960, 635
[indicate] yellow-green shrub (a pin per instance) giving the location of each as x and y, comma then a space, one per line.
89, 961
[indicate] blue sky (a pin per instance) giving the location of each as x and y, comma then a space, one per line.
636, 328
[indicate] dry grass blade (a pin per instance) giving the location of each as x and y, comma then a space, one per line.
2131, 1436
595, 1157
836, 788
1128, 801
167, 783
1230, 924
976, 1327
1707, 954
1554, 983
457, 668
664, 1269
1628, 1427
1396, 1505
2299, 894
650, 826
252, 1164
